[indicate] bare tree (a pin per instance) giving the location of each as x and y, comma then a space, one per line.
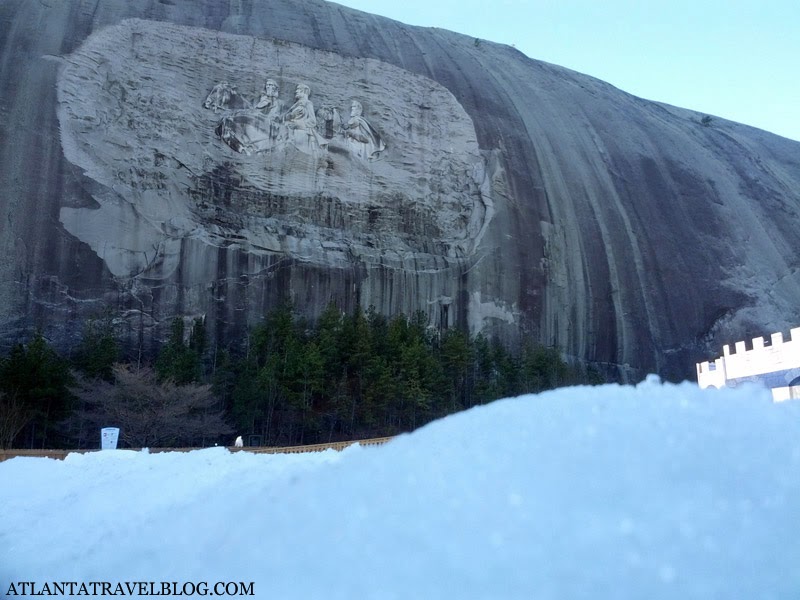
14, 416
150, 413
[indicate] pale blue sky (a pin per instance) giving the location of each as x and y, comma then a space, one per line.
737, 59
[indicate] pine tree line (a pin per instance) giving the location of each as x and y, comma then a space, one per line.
346, 376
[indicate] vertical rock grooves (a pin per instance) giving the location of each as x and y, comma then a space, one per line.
487, 189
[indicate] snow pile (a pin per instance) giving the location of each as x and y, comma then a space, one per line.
654, 491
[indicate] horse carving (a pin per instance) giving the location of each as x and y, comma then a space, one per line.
224, 96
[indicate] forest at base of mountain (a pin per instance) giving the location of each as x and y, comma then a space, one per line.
344, 377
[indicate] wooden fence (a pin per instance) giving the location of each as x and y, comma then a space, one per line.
60, 454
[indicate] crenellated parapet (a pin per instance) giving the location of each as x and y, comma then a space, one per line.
772, 361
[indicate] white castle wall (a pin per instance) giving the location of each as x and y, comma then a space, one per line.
767, 356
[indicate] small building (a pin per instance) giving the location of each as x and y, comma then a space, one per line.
773, 362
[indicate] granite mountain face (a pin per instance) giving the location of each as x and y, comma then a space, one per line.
211, 158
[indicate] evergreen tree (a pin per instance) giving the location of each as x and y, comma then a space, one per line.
178, 361
98, 349
36, 379
328, 336
308, 374
330, 339
248, 401
541, 369
416, 372
289, 381
357, 344
456, 357
377, 385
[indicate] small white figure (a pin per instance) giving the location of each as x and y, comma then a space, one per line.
239, 443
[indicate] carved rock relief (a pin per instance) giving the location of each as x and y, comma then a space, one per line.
190, 133
253, 127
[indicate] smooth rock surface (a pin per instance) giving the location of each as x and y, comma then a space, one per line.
498, 192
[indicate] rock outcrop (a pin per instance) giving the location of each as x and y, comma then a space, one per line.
187, 158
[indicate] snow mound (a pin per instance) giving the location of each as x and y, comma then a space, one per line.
653, 491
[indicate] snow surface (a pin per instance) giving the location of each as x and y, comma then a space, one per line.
646, 492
